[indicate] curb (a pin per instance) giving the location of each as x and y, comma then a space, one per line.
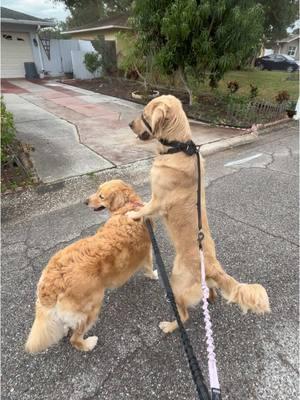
264, 128
212, 148
249, 137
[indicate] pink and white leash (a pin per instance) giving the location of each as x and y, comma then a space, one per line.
212, 365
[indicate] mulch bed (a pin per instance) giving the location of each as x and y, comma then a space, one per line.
17, 173
207, 109
121, 88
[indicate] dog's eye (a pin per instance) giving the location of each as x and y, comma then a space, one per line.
101, 197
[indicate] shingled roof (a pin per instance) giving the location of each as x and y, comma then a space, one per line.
8, 15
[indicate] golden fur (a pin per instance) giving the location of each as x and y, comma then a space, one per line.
71, 288
174, 187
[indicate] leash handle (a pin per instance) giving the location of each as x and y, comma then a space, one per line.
216, 394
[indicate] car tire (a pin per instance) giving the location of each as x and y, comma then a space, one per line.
290, 69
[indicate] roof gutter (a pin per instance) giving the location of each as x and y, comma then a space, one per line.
100, 28
289, 40
27, 22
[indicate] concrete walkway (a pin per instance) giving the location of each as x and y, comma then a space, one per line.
76, 131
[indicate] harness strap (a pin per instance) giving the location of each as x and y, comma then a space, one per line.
192, 360
148, 126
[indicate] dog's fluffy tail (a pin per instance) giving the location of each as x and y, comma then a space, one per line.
251, 297
46, 330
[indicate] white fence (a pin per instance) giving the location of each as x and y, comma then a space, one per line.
66, 56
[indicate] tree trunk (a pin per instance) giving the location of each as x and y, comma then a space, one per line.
145, 84
185, 85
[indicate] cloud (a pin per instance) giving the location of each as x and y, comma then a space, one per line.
38, 8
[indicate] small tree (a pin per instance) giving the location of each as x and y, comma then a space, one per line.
198, 39
93, 62
134, 59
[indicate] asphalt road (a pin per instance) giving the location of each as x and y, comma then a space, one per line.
253, 211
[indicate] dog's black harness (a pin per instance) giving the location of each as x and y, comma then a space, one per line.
190, 149
148, 126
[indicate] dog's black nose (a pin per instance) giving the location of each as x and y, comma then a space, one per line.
86, 202
144, 136
130, 124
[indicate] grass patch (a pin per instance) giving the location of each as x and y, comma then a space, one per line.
269, 83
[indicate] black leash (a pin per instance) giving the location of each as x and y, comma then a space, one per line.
192, 360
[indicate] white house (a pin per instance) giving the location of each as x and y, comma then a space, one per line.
20, 42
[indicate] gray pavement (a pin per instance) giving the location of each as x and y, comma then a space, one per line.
57, 152
253, 211
75, 131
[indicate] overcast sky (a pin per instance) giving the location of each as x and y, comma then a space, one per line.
38, 8
45, 8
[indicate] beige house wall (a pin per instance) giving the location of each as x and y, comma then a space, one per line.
108, 35
283, 48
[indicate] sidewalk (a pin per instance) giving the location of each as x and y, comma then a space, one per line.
76, 131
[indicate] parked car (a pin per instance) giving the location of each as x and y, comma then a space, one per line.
281, 62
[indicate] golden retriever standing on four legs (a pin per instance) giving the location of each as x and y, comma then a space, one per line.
71, 289
174, 191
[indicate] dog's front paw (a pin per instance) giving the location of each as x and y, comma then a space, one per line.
155, 275
133, 215
168, 327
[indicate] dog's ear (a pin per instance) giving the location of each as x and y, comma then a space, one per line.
158, 116
117, 199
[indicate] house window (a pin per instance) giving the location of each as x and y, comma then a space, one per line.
20, 39
7, 37
292, 51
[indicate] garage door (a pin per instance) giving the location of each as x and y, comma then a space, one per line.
15, 50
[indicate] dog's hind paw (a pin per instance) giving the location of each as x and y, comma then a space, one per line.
153, 275
90, 343
168, 327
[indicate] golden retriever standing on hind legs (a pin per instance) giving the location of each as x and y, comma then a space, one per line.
71, 289
174, 192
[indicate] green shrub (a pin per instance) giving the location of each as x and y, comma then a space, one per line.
253, 91
291, 105
7, 130
282, 96
93, 62
233, 86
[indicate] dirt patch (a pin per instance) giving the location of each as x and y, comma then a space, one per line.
17, 172
122, 88
207, 108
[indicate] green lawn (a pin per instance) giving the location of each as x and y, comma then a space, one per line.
269, 83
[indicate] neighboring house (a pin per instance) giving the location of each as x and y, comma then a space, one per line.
289, 46
108, 28
20, 42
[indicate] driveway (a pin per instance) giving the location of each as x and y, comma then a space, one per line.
252, 198
76, 131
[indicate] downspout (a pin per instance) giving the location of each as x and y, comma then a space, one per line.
42, 73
